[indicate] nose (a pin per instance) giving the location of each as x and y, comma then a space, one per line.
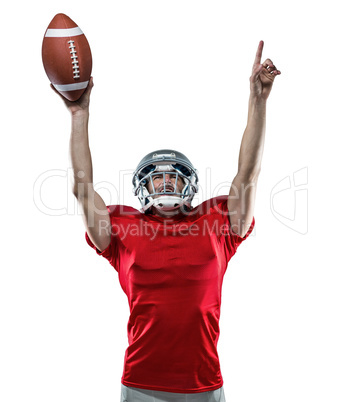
167, 178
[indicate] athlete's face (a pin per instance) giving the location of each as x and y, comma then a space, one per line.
170, 182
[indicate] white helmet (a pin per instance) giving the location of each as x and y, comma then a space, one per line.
165, 161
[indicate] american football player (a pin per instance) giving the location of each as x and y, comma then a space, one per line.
171, 257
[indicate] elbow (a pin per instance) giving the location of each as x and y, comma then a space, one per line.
82, 190
249, 173
78, 190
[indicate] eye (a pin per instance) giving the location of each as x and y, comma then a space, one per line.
156, 177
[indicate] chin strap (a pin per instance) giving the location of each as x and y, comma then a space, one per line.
167, 205
168, 201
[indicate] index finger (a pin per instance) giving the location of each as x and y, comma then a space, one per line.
259, 53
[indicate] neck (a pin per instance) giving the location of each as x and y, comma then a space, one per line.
181, 211
164, 213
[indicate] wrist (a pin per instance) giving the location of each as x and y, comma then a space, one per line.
256, 108
257, 100
257, 103
80, 114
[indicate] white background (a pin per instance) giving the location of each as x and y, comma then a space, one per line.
172, 74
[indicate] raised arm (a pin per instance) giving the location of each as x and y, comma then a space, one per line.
241, 201
95, 214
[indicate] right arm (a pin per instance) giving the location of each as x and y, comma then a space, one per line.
95, 214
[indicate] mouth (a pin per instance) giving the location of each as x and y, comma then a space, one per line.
168, 189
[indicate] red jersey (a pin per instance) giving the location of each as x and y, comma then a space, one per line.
171, 270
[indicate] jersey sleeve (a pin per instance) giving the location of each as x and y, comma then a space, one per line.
110, 251
233, 240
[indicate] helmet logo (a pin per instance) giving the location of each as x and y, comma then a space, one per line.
164, 156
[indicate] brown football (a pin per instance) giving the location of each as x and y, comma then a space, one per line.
66, 56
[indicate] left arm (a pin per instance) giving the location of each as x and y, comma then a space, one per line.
241, 201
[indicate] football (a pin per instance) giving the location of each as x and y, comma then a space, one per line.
67, 57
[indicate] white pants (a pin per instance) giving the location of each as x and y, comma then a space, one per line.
130, 394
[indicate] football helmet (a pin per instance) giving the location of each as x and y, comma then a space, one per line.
162, 162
